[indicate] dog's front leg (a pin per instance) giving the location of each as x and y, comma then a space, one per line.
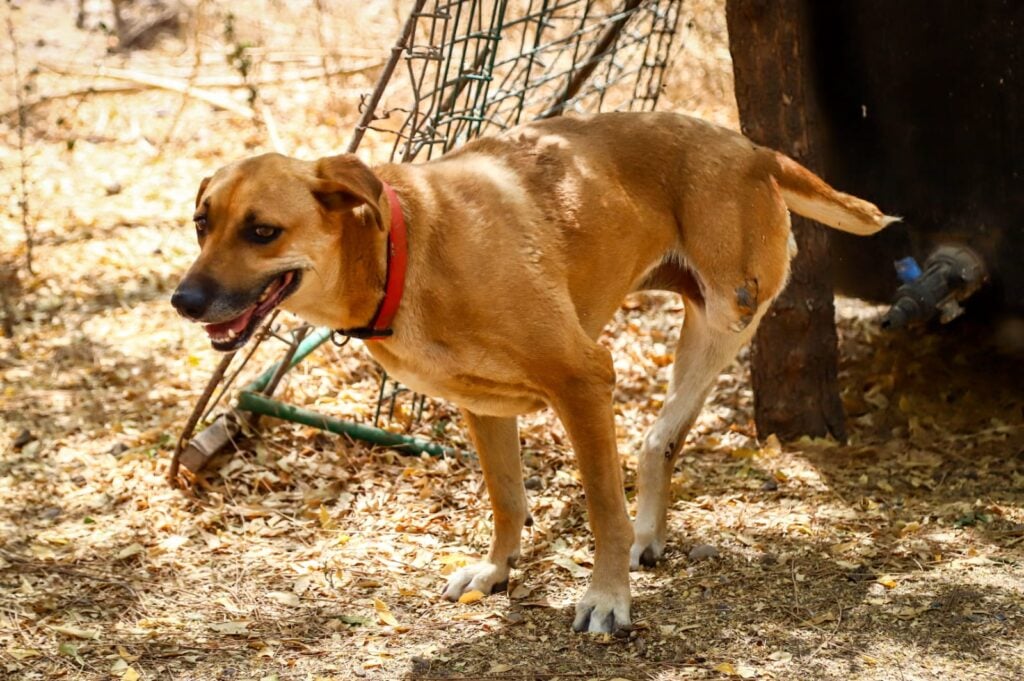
497, 444
585, 408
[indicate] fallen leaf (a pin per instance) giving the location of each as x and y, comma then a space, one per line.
284, 598
23, 653
231, 628
130, 675
301, 584
725, 668
576, 570
499, 668
746, 671
325, 517
888, 581
910, 528
228, 605
384, 615
745, 540
822, 618
471, 596
69, 650
129, 551
473, 615
520, 592
909, 612
76, 632
453, 561
173, 543
781, 656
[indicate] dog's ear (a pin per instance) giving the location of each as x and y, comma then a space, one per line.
202, 188
344, 182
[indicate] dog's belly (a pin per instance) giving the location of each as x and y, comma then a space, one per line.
485, 395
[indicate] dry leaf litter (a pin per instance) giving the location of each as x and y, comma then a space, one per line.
307, 556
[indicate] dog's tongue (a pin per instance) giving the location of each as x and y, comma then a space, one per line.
237, 324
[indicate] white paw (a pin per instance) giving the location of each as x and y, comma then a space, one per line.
602, 612
483, 577
646, 551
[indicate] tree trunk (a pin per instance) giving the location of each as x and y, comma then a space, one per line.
794, 352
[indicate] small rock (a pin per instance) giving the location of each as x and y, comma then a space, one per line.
113, 188
420, 665
770, 485
359, 672
50, 512
118, 449
533, 483
515, 617
769, 559
32, 448
23, 438
862, 574
702, 552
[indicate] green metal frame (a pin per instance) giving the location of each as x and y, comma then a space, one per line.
252, 399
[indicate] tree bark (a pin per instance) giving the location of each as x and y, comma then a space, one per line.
794, 352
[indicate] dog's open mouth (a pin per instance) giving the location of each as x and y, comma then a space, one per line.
234, 333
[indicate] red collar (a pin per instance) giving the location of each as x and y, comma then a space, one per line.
379, 327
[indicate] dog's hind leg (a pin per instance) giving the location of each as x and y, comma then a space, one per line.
708, 343
497, 444
737, 247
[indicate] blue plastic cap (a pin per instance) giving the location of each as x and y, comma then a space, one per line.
907, 269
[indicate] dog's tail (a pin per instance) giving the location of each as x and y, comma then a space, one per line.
807, 194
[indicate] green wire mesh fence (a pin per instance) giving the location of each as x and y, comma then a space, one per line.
459, 69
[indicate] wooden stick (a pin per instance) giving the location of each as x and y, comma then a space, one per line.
272, 133
219, 81
138, 87
176, 85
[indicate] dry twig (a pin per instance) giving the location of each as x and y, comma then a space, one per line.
19, 86
150, 81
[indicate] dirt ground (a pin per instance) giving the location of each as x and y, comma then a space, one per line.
899, 555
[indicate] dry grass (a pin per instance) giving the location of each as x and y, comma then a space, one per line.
308, 557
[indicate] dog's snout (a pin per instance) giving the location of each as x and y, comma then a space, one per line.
192, 299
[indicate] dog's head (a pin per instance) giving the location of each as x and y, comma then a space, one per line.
270, 233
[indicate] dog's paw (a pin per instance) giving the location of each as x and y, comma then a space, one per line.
646, 551
602, 613
487, 578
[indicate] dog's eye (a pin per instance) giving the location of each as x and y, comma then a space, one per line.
263, 234
200, 221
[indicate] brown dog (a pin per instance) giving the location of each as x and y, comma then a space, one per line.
520, 249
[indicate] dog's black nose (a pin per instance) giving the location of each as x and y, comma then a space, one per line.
191, 299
